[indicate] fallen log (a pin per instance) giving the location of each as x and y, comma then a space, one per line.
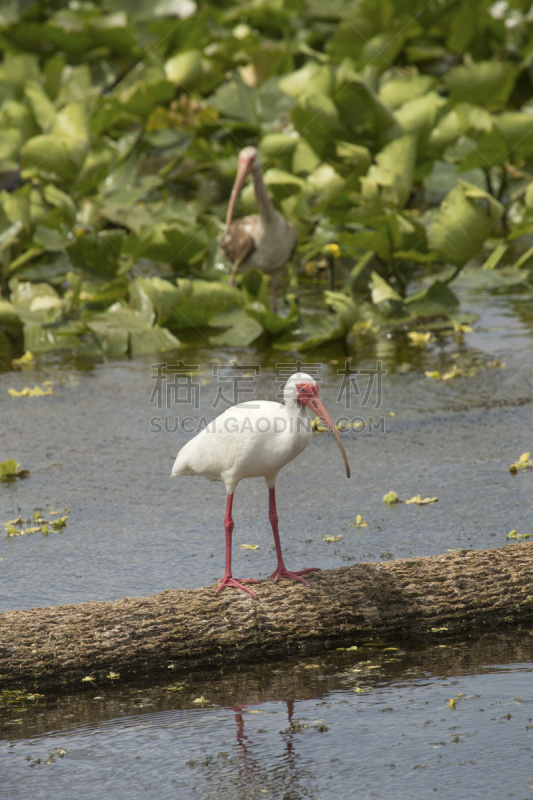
409, 598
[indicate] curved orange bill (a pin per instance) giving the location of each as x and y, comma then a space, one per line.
242, 172
315, 404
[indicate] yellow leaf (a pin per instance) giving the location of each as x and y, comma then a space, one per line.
454, 372
421, 502
419, 339
451, 703
459, 327
391, 498
11, 530
201, 701
514, 535
249, 546
35, 392
435, 374
332, 538
24, 362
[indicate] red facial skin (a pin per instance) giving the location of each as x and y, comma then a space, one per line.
308, 395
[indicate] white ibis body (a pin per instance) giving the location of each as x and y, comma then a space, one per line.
264, 242
252, 440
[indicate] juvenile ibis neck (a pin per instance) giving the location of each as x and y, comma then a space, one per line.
264, 203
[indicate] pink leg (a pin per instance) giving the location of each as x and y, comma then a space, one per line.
281, 571
227, 580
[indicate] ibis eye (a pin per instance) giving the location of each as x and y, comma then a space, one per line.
302, 390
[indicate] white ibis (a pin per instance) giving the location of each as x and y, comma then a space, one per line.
264, 242
253, 440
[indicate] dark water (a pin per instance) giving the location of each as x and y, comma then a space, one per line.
131, 530
371, 723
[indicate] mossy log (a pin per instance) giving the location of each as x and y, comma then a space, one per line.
409, 598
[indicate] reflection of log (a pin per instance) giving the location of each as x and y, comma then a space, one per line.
475, 590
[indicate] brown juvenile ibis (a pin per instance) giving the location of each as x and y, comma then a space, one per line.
264, 242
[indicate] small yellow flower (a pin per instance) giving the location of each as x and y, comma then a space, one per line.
332, 250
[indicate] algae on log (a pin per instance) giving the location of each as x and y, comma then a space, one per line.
407, 598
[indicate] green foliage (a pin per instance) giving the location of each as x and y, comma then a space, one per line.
399, 131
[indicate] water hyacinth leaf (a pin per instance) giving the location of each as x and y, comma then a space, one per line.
272, 103
236, 100
62, 201
51, 239
189, 304
271, 322
126, 330
388, 182
97, 252
485, 82
163, 295
517, 130
41, 105
382, 291
255, 287
35, 302
278, 146
318, 330
242, 328
311, 78
49, 157
357, 156
107, 293
155, 340
316, 118
361, 111
10, 321
417, 116
462, 223
397, 91
325, 182
10, 235
491, 150
184, 68
304, 158
359, 23
187, 244
436, 301
281, 184
382, 50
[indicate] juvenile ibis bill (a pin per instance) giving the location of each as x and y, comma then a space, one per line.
264, 242
253, 440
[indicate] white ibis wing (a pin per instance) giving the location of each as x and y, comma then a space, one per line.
238, 243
